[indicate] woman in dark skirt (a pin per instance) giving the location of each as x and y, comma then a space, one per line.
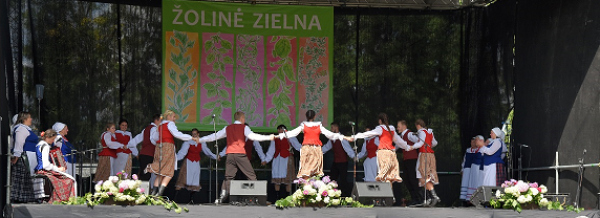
24, 156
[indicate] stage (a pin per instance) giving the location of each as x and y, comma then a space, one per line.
63, 211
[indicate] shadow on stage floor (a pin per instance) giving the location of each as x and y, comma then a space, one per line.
63, 211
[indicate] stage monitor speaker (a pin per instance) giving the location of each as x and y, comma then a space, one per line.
248, 192
483, 195
375, 193
560, 197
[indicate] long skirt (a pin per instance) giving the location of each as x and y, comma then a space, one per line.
38, 183
283, 171
63, 185
167, 166
389, 169
189, 176
21, 182
464, 183
371, 169
493, 175
311, 161
475, 180
122, 163
104, 169
426, 169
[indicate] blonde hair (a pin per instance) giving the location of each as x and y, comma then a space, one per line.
168, 113
48, 134
238, 115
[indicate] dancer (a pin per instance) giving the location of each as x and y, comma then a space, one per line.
146, 155
339, 168
24, 188
311, 155
124, 155
108, 154
426, 165
369, 149
283, 169
466, 171
476, 171
66, 147
64, 185
189, 173
248, 145
236, 133
164, 163
389, 169
409, 165
493, 170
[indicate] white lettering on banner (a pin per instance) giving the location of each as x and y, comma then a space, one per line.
225, 19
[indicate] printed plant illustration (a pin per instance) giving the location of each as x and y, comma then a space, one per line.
217, 48
247, 98
277, 86
183, 87
315, 48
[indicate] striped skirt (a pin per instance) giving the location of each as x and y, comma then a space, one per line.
103, 170
166, 167
311, 161
389, 169
21, 182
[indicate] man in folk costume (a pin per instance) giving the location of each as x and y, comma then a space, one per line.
66, 147
248, 145
476, 171
341, 151
64, 185
189, 173
493, 170
280, 152
466, 171
237, 159
108, 154
426, 164
409, 165
146, 155
369, 149
124, 155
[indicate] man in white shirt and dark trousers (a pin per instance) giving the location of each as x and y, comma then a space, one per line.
341, 151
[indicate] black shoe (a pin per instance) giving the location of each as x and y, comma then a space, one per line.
434, 198
161, 190
154, 191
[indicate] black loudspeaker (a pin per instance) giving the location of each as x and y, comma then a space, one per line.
248, 192
560, 197
483, 195
375, 193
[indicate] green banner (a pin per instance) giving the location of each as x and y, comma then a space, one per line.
273, 62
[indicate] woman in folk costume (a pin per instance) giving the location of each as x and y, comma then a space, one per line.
369, 149
466, 170
66, 147
476, 171
164, 167
280, 152
311, 155
493, 169
189, 173
23, 187
64, 185
124, 155
389, 169
107, 156
426, 164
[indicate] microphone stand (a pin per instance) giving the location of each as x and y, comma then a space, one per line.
160, 152
426, 171
580, 180
216, 162
355, 153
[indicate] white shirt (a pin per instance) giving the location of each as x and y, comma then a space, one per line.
345, 144
223, 133
363, 151
186, 146
107, 137
496, 144
400, 143
420, 140
139, 138
295, 132
271, 151
134, 150
21, 134
44, 147
174, 131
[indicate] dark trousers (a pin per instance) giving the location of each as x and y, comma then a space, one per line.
234, 163
339, 173
144, 160
410, 178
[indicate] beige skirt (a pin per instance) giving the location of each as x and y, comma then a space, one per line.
103, 169
166, 167
427, 162
128, 167
311, 161
389, 169
182, 179
291, 171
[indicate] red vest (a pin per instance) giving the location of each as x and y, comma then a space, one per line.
123, 139
106, 151
426, 148
147, 146
248, 147
311, 135
371, 148
235, 139
412, 154
165, 134
385, 140
282, 148
339, 155
194, 152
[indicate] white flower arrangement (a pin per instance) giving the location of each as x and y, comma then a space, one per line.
516, 194
317, 192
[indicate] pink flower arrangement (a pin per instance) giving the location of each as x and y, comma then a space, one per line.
324, 193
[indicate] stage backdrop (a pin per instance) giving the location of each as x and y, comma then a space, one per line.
272, 62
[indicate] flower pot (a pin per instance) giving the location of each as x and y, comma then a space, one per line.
317, 204
111, 201
530, 206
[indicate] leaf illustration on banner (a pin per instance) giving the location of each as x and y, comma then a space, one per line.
217, 48
247, 98
277, 85
183, 92
315, 48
